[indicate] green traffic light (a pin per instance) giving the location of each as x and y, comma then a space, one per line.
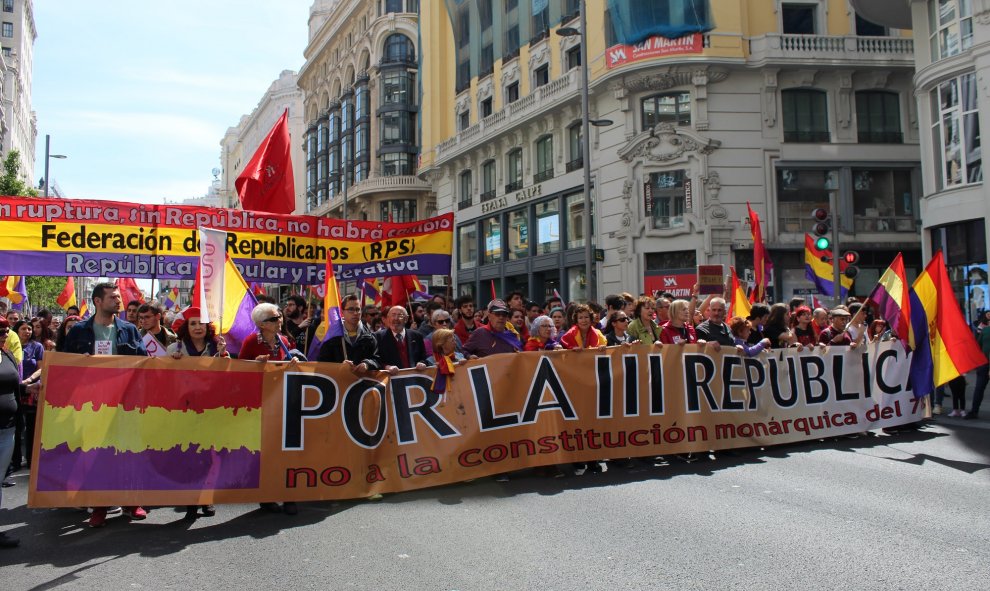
822, 243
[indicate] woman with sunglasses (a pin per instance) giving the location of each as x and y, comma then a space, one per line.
10, 387
441, 320
268, 343
616, 333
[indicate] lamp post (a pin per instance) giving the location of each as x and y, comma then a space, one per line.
586, 123
49, 156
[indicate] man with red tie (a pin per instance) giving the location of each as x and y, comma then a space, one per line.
398, 347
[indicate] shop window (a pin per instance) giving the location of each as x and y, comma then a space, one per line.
800, 192
518, 234
491, 235
467, 247
574, 208
548, 227
883, 200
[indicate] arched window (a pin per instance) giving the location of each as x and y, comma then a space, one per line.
805, 115
398, 49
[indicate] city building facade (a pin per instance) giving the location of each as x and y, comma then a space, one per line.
952, 63
360, 86
241, 141
19, 126
781, 104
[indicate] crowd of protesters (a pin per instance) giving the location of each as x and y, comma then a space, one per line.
438, 332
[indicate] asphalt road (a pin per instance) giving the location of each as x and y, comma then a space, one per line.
902, 511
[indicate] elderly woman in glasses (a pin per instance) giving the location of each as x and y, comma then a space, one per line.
541, 338
268, 343
441, 320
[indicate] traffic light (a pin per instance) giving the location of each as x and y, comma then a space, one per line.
822, 228
850, 258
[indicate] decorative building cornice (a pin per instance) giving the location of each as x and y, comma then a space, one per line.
666, 142
673, 77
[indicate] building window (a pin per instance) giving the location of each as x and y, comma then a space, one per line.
575, 146
799, 192
514, 167
486, 107
883, 200
491, 233
574, 206
573, 58
518, 234
878, 117
393, 6
510, 30
673, 108
487, 61
8, 5
464, 121
667, 198
544, 159
548, 227
399, 50
865, 28
570, 9
805, 116
467, 246
8, 29
396, 128
399, 210
951, 24
397, 164
799, 19
488, 180
541, 75
6, 52
956, 132
541, 20
465, 179
512, 93
397, 87
412, 6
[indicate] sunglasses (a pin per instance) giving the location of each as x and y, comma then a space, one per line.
623, 319
443, 321
273, 319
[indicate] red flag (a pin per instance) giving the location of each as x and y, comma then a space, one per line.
266, 183
129, 291
494, 295
762, 267
68, 296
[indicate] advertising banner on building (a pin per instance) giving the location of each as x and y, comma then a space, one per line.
161, 431
113, 239
619, 55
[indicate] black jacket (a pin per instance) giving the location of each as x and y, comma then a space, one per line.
388, 350
708, 331
361, 349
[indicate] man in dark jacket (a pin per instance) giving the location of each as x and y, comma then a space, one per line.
399, 347
361, 345
494, 337
104, 333
715, 330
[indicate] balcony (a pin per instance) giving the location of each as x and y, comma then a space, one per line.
880, 137
818, 50
545, 175
541, 100
463, 204
514, 186
488, 195
807, 137
378, 184
575, 164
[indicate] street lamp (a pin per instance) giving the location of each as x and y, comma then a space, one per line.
586, 123
49, 156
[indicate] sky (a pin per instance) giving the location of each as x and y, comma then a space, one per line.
139, 94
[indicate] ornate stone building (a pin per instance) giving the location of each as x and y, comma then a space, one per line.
779, 105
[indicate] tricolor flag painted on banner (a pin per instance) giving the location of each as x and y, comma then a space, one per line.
943, 344
267, 183
187, 437
67, 298
738, 302
821, 273
331, 323
892, 296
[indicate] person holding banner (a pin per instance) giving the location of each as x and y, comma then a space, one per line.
104, 333
541, 337
196, 339
643, 328
494, 337
583, 335
150, 322
679, 330
616, 332
358, 348
399, 347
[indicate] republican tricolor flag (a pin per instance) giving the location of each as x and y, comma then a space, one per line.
14, 288
738, 302
892, 296
331, 323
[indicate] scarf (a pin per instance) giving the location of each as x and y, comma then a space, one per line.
445, 374
509, 335
210, 349
593, 332
548, 345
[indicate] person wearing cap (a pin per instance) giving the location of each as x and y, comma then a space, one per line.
104, 333
836, 333
197, 339
496, 336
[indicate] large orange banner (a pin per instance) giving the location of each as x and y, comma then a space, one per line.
160, 431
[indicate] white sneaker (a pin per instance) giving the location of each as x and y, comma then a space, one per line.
937, 409
579, 471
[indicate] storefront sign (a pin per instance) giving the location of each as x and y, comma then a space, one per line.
619, 55
678, 282
520, 196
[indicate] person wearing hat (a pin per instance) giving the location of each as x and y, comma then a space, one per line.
197, 339
836, 333
496, 336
